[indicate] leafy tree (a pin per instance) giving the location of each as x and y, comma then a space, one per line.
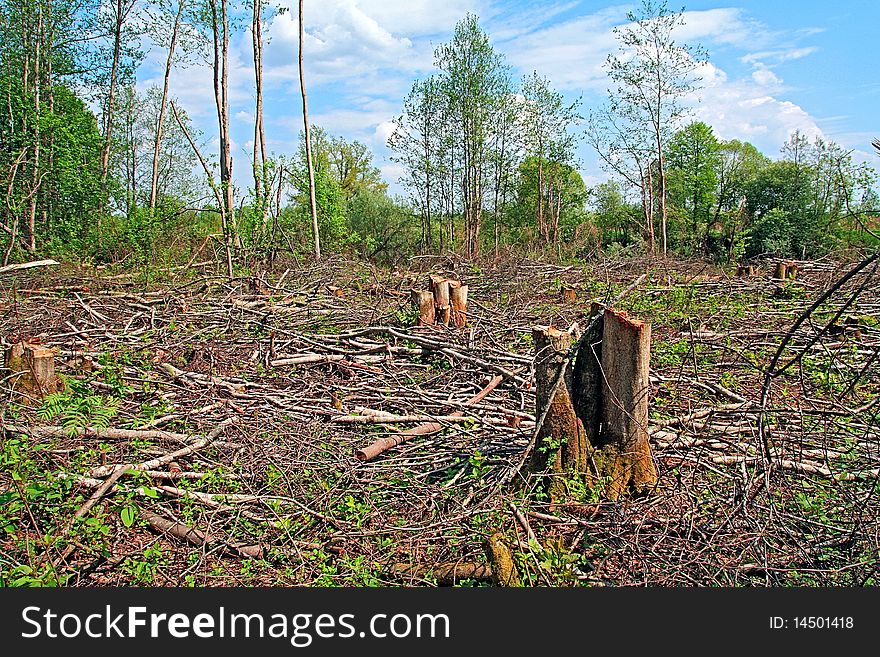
651, 75
694, 160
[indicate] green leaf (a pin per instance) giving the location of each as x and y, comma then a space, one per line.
128, 515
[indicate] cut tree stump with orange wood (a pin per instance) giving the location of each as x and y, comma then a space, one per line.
440, 286
36, 365
423, 300
595, 424
458, 301
445, 302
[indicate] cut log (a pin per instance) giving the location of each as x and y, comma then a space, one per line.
458, 299
36, 365
387, 442
440, 287
780, 271
423, 301
446, 574
624, 459
27, 265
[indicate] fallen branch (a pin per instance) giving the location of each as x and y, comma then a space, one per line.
387, 442
27, 265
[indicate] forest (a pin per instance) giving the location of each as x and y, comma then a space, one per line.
495, 374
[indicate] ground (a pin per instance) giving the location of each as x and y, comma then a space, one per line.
237, 401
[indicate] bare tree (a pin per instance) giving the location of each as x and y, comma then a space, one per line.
302, 85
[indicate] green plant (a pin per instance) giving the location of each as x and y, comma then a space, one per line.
78, 409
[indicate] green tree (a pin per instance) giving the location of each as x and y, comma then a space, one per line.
694, 159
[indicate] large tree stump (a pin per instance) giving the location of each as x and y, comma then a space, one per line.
624, 458
596, 422
423, 301
780, 271
36, 365
458, 301
440, 286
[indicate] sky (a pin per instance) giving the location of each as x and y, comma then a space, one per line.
774, 67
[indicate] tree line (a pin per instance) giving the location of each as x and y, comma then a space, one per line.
93, 167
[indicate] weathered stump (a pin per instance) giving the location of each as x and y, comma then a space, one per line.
500, 558
568, 295
745, 270
780, 271
792, 271
458, 300
423, 301
596, 422
625, 458
562, 445
36, 365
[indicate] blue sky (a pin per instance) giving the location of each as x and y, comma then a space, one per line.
773, 67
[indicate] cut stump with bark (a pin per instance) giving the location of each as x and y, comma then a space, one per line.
36, 365
458, 301
423, 301
444, 302
596, 421
440, 286
780, 271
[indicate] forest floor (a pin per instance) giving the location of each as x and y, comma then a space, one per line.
237, 406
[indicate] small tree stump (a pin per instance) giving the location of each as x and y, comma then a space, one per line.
440, 286
500, 558
792, 270
569, 295
779, 272
423, 301
745, 270
36, 365
458, 300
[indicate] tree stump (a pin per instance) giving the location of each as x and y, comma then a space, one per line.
625, 461
458, 300
446, 301
792, 271
569, 295
440, 286
500, 558
779, 272
36, 365
745, 270
596, 423
423, 301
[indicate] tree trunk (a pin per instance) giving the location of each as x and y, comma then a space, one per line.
154, 178
111, 99
302, 85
